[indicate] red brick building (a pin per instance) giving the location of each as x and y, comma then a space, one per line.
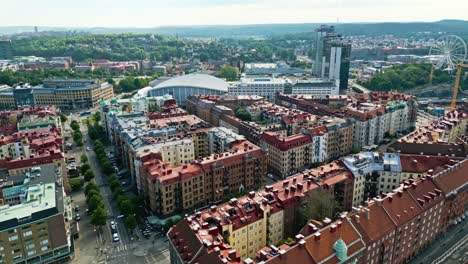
454, 183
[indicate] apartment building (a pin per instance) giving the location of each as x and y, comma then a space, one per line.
129, 105
314, 86
173, 189
391, 228
29, 118
175, 151
230, 101
287, 155
246, 224
230, 122
369, 124
376, 173
214, 108
25, 144
388, 230
264, 87
319, 134
35, 218
220, 139
453, 181
289, 119
340, 136
444, 136
372, 115
66, 94
132, 131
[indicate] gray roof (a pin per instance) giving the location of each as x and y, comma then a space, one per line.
195, 80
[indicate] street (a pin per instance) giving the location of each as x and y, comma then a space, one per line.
98, 247
444, 244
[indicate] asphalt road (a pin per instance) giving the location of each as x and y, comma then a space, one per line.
93, 247
443, 244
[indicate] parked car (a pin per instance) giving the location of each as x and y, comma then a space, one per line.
113, 225
77, 217
88, 149
115, 237
77, 208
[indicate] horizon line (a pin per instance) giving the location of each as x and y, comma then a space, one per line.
220, 25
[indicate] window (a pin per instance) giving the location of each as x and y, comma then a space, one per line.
13, 238
28, 233
30, 246
44, 248
32, 252
44, 242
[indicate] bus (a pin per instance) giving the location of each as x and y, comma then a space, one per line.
86, 113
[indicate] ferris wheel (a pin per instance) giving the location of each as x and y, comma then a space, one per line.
448, 52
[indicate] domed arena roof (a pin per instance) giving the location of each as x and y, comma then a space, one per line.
195, 80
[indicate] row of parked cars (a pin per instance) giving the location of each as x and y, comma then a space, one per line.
147, 228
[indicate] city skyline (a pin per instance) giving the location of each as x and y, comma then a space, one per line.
106, 13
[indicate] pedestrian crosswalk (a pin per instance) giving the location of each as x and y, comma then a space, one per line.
157, 257
165, 253
120, 248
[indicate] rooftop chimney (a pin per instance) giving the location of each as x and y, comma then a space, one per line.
357, 218
232, 254
317, 236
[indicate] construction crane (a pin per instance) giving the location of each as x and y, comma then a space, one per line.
460, 67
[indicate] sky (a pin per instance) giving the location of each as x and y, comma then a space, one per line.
154, 13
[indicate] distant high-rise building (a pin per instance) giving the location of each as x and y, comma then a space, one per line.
6, 49
35, 29
332, 57
322, 32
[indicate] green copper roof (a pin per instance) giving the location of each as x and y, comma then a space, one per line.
341, 250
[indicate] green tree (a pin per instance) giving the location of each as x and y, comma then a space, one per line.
130, 222
85, 167
98, 146
118, 192
97, 117
94, 202
229, 73
114, 184
92, 193
243, 115
107, 167
91, 186
99, 217
83, 158
126, 207
88, 175
63, 118
76, 184
319, 205
74, 125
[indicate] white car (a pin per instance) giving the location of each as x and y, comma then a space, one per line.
112, 224
88, 149
115, 237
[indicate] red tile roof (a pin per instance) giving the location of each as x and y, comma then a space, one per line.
372, 221
422, 163
323, 248
286, 143
400, 206
453, 178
